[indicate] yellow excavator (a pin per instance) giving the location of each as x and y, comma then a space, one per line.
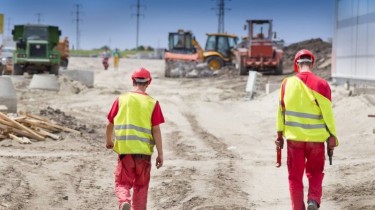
183, 48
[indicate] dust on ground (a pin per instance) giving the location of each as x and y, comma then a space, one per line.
218, 146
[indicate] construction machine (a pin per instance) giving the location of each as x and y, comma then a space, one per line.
260, 52
6, 55
218, 51
63, 48
184, 49
36, 49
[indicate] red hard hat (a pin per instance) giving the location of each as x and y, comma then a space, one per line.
299, 55
141, 75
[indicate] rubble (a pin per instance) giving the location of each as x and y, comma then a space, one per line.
321, 49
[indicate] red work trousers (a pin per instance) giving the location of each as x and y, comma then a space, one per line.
133, 171
309, 156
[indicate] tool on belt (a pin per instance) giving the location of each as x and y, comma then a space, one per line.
278, 157
331, 143
279, 146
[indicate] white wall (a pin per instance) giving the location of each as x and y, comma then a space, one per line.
354, 41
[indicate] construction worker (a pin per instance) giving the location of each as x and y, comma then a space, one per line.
116, 58
135, 117
105, 58
305, 119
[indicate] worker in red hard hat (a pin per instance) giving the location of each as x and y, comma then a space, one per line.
135, 118
305, 119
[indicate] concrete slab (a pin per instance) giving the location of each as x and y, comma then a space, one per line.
83, 76
8, 96
44, 82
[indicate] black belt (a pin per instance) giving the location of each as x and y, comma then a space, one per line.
136, 156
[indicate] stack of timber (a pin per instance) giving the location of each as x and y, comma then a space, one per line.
26, 127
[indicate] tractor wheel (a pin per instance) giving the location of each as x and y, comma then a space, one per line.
279, 68
167, 71
17, 69
242, 67
54, 69
214, 62
64, 63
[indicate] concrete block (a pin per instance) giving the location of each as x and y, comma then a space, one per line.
272, 87
253, 82
8, 96
83, 76
44, 82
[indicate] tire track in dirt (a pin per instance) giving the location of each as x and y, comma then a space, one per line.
226, 189
354, 195
18, 192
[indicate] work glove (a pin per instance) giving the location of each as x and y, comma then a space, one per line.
279, 141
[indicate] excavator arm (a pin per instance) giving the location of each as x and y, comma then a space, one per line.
199, 49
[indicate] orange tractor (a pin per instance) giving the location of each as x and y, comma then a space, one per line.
260, 52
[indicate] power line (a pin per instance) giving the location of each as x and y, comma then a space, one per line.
220, 13
138, 6
77, 19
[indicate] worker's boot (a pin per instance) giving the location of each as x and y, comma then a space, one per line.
312, 205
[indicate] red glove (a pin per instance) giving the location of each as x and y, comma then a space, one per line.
279, 141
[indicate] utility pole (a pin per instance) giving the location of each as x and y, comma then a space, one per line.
138, 14
220, 13
77, 19
9, 29
38, 17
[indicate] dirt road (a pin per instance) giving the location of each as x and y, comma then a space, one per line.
219, 151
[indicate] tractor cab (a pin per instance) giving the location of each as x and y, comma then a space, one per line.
260, 52
260, 34
218, 50
181, 42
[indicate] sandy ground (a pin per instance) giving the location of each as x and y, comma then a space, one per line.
219, 150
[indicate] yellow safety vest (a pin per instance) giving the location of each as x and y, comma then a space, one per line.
132, 124
307, 115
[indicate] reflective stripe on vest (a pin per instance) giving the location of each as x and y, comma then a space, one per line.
303, 117
132, 124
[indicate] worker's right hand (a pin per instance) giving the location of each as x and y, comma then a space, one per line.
159, 161
109, 144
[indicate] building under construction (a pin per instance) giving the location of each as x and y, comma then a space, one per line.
353, 43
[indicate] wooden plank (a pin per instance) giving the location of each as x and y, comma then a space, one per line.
22, 127
9, 130
20, 140
46, 121
37, 123
66, 129
46, 133
28, 114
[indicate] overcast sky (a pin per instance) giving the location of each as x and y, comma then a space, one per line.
112, 22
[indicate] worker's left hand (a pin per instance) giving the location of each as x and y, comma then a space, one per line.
279, 143
331, 142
